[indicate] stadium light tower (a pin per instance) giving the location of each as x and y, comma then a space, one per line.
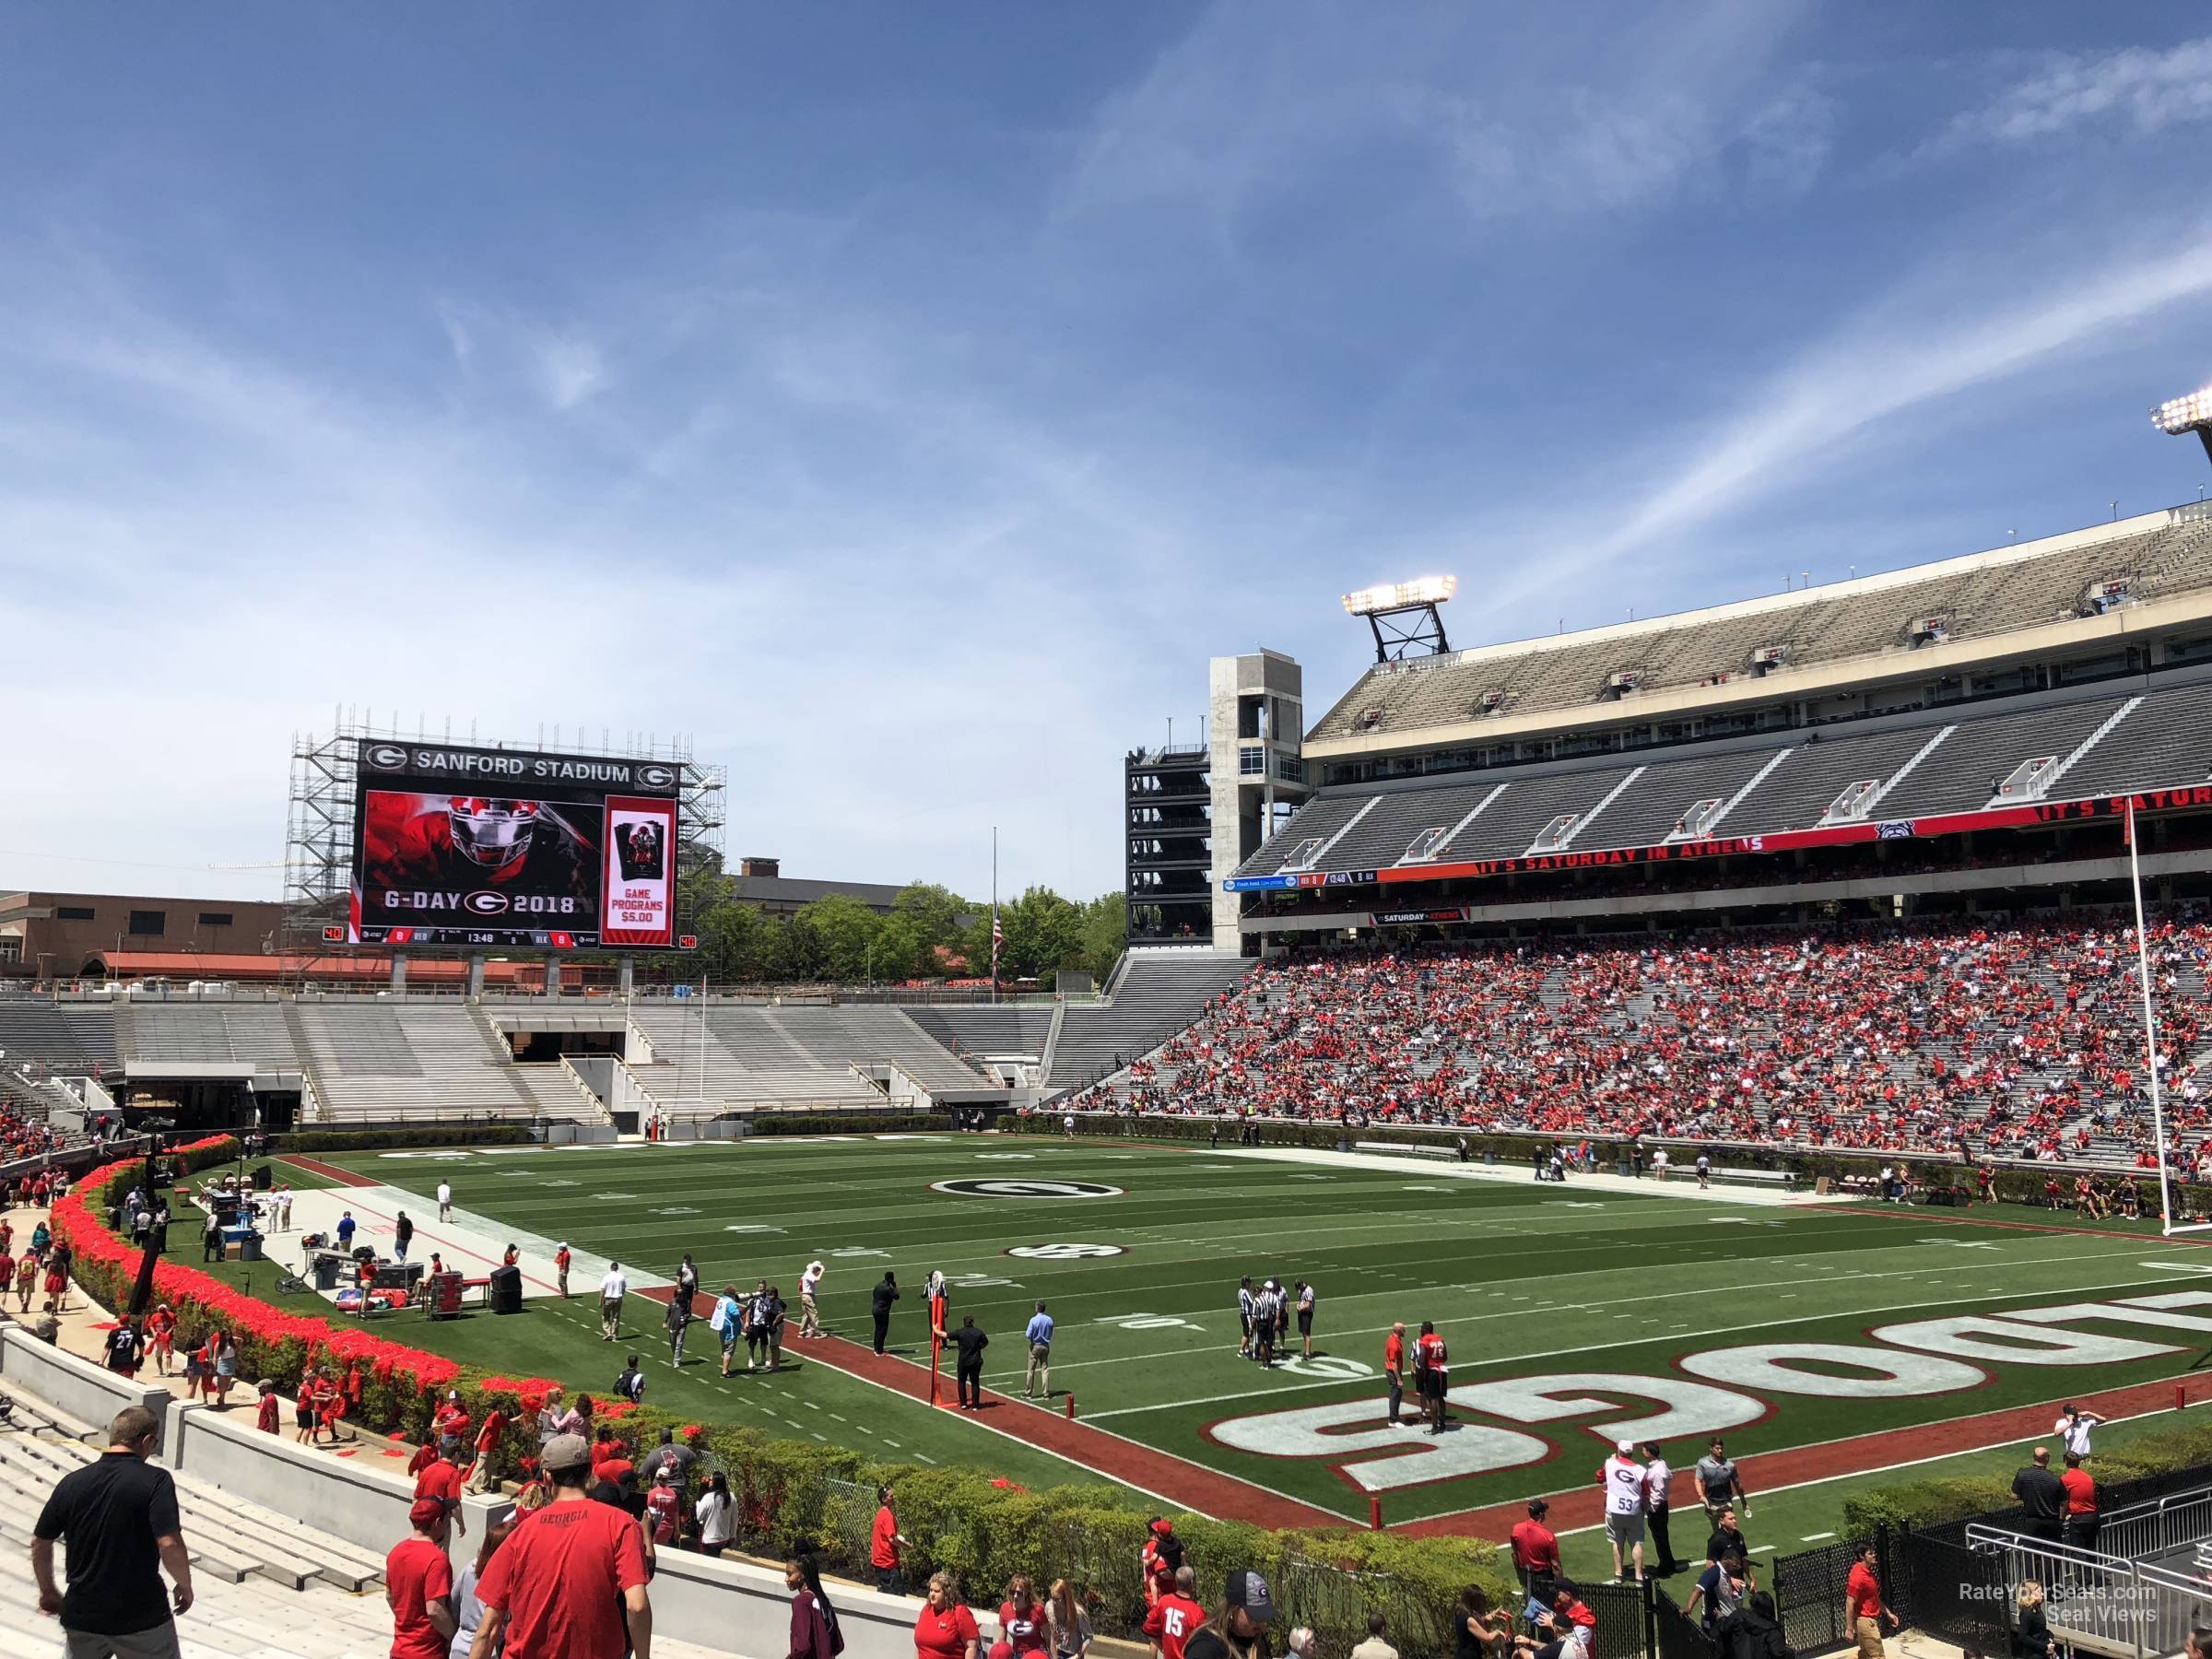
2190, 414
1404, 616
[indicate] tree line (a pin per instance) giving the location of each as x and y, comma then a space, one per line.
929, 933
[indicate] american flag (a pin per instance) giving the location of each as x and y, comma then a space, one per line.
998, 937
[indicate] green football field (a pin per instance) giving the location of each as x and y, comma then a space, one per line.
1573, 1314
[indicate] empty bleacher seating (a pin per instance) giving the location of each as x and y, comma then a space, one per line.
1157, 991
1979, 596
2141, 735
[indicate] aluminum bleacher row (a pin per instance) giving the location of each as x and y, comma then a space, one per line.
64, 1037
2156, 557
1920, 765
1158, 992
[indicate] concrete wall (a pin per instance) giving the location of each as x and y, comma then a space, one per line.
734, 1607
365, 1505
76, 1386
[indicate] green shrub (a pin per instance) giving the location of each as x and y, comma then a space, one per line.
1925, 1502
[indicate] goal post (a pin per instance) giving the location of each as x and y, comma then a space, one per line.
2167, 1224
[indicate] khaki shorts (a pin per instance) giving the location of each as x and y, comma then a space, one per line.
1869, 1634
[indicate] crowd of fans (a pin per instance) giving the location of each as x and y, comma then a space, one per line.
2017, 1040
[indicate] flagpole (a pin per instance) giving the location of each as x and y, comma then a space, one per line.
995, 913
2150, 1029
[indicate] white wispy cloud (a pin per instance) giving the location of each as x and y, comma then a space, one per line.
1903, 355
2138, 90
1240, 111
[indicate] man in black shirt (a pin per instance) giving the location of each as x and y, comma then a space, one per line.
2044, 1496
1727, 1539
886, 1294
403, 1235
969, 1366
119, 1519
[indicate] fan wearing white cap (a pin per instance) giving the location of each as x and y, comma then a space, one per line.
1622, 1479
810, 1319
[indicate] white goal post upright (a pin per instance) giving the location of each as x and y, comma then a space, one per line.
2150, 1042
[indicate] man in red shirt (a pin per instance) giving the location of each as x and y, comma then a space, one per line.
561, 1260
2081, 1504
1394, 1366
1536, 1548
1160, 1546
441, 1480
418, 1586
1862, 1609
569, 1581
1175, 1616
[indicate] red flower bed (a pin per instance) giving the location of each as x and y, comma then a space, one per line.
271, 1343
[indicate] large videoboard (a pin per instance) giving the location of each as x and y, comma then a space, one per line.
508, 847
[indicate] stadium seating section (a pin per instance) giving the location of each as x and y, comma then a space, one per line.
1156, 992
1982, 596
412, 1060
2022, 1041
1920, 766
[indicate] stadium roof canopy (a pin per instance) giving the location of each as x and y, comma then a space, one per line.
2111, 582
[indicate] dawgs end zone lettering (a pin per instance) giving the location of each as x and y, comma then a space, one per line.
1725, 1388
460, 845
1780, 840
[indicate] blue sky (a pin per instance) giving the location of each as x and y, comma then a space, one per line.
905, 402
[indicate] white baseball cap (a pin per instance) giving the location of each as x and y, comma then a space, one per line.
1625, 1448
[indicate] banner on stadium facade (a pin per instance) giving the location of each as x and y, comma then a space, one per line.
1780, 840
1408, 918
461, 845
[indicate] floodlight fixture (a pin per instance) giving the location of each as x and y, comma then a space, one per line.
1400, 595
1404, 616
2190, 414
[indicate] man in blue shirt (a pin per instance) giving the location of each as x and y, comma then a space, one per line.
345, 1227
1041, 1354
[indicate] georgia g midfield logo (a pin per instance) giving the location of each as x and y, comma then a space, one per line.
1018, 1188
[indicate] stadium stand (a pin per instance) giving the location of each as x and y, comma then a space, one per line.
1980, 596
1005, 1029
1925, 764
712, 1057
1155, 993
64, 1037
2016, 1040
417, 1060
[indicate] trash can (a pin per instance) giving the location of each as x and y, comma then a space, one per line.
326, 1270
506, 1289
262, 1178
249, 1248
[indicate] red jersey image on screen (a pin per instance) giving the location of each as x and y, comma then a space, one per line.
477, 861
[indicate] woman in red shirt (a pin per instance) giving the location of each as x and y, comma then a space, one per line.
883, 1545
1021, 1618
944, 1629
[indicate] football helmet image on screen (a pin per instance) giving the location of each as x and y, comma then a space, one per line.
492, 832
